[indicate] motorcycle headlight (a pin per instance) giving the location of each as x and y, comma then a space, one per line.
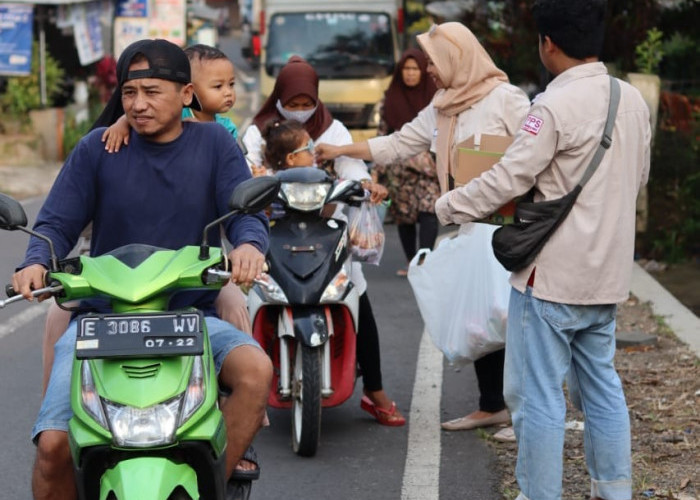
143, 427
337, 288
194, 395
271, 292
89, 396
305, 197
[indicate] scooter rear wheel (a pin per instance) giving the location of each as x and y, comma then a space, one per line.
306, 402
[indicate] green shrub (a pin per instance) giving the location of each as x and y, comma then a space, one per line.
674, 196
23, 93
650, 52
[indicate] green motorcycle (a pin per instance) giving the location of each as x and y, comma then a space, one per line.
146, 422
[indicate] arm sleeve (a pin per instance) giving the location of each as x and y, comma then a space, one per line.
413, 138
69, 205
344, 166
232, 170
511, 177
253, 144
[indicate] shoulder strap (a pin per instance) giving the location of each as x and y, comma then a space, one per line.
606, 141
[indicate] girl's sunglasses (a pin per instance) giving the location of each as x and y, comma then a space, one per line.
309, 146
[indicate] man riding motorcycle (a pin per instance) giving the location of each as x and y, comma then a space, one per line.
174, 174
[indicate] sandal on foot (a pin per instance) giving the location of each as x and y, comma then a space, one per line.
384, 417
248, 475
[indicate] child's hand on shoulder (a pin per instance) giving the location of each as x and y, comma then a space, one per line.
116, 135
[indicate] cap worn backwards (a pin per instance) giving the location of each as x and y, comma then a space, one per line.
166, 61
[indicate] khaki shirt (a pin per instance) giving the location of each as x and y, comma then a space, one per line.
501, 112
588, 260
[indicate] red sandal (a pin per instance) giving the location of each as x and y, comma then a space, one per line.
384, 417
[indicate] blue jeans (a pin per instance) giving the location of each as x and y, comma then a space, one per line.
545, 341
55, 411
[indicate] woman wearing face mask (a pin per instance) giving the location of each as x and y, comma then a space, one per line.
295, 97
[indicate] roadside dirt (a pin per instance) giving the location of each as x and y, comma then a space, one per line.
662, 387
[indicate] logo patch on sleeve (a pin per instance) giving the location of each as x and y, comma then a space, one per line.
532, 124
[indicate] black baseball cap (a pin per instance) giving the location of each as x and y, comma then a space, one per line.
166, 61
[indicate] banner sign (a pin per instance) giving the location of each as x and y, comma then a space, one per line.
128, 30
87, 32
15, 39
132, 8
167, 20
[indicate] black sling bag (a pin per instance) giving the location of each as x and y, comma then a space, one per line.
516, 245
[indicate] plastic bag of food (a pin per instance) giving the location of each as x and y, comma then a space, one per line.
366, 233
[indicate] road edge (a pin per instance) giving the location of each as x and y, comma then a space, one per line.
680, 319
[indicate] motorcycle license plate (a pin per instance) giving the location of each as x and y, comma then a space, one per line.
140, 335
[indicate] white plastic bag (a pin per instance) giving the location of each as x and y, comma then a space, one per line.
462, 293
366, 233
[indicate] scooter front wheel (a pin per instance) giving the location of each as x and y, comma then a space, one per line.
306, 402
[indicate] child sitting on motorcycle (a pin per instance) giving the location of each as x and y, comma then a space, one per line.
289, 145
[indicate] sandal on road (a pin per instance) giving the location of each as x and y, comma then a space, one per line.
388, 417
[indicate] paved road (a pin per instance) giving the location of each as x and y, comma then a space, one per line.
356, 457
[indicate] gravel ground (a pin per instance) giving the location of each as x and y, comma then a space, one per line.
662, 387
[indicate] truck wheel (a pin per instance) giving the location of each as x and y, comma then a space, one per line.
306, 402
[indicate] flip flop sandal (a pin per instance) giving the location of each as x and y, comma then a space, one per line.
384, 417
247, 475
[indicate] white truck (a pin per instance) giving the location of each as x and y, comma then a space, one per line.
353, 45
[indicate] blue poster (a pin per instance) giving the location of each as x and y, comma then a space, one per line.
15, 39
131, 8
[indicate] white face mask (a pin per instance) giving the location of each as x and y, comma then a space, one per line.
300, 116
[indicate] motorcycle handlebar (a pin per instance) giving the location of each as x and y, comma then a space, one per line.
35, 293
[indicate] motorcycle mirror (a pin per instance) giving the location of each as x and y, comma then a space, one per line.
254, 195
12, 214
345, 189
13, 217
250, 196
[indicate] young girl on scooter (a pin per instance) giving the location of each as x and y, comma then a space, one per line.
289, 145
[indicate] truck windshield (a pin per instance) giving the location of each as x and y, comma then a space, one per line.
337, 44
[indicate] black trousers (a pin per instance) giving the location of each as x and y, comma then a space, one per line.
489, 375
427, 233
368, 356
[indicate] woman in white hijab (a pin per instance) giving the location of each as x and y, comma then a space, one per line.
473, 96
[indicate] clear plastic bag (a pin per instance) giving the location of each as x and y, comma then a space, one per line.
462, 293
366, 233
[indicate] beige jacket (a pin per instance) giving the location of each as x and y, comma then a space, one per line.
501, 112
588, 260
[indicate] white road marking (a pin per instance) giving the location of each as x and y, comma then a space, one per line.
421, 476
19, 320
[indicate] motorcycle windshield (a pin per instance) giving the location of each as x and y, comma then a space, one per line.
133, 255
339, 45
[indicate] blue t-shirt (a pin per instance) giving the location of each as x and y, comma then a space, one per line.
220, 119
150, 193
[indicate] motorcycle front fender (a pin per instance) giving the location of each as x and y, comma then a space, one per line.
310, 325
148, 478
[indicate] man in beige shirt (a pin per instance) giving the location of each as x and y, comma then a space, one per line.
562, 306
